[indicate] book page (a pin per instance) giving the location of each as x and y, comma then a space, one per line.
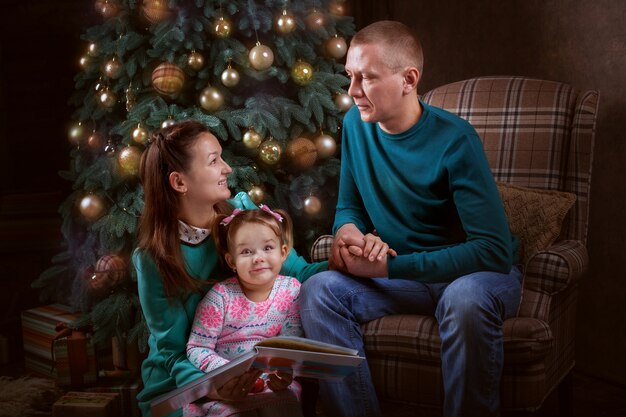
303, 363
301, 343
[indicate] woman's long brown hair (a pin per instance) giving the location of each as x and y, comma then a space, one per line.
169, 150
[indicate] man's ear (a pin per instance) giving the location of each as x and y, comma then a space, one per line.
411, 79
177, 182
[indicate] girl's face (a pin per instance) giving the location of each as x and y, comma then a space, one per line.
257, 254
205, 179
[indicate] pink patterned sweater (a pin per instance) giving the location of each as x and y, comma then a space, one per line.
227, 325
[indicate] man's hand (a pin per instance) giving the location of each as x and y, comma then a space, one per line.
362, 267
347, 235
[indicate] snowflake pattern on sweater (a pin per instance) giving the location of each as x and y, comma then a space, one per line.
227, 324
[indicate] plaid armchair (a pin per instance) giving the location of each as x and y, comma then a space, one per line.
536, 134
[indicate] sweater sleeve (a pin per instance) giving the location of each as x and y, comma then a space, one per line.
205, 330
488, 245
293, 324
167, 320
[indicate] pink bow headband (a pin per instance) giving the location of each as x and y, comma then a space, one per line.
263, 207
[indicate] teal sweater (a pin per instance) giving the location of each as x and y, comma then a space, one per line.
169, 321
428, 192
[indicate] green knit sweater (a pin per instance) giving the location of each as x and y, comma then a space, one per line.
428, 192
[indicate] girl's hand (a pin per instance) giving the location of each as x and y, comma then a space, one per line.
279, 381
237, 388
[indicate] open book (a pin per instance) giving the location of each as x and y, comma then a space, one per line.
303, 357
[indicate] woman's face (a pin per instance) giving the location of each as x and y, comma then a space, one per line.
206, 177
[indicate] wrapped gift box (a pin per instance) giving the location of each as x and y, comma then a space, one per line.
38, 331
92, 404
127, 390
75, 360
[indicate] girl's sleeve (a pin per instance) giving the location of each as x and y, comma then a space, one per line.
206, 327
167, 320
293, 325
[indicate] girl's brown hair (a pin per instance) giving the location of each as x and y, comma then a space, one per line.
224, 233
169, 150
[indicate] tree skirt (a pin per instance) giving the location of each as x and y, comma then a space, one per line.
27, 396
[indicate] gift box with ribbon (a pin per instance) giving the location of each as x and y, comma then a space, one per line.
39, 329
74, 358
93, 404
127, 390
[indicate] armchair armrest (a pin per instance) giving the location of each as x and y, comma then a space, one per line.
320, 251
552, 270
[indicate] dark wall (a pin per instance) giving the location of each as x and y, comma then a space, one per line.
579, 42
39, 49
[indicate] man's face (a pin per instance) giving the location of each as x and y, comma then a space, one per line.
375, 88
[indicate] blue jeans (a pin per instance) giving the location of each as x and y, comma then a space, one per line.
470, 311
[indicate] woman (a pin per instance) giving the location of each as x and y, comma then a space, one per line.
185, 187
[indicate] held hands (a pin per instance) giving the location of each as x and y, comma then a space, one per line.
360, 255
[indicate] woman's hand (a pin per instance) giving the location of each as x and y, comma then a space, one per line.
279, 381
374, 249
237, 388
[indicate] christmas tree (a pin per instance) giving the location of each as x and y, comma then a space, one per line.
266, 77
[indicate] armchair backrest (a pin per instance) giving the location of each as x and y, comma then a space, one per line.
535, 133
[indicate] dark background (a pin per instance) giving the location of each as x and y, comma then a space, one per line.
574, 41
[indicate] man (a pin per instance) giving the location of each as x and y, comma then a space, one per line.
414, 178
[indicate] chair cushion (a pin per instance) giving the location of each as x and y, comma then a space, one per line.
535, 215
417, 338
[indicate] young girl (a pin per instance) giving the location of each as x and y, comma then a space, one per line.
239, 312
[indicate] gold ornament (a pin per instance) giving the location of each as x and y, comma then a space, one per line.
110, 271
230, 77
168, 79
107, 8
84, 61
155, 11
270, 152
129, 158
302, 73
285, 23
337, 8
256, 194
91, 207
312, 205
302, 153
343, 102
315, 20
336, 47
140, 134
222, 27
95, 140
211, 99
106, 97
195, 61
261, 57
99, 85
168, 122
76, 133
252, 139
92, 49
111, 67
326, 145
